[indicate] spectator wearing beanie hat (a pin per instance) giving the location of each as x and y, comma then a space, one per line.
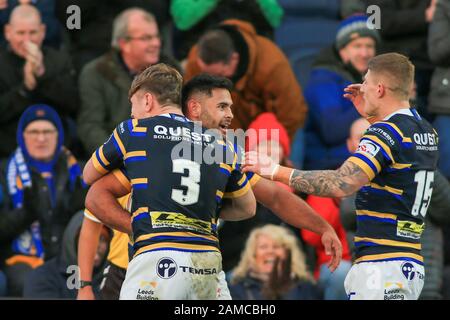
271, 138
43, 190
330, 114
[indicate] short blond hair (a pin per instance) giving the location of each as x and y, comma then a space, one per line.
398, 69
280, 235
161, 80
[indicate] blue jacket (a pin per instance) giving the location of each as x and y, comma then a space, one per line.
330, 114
250, 289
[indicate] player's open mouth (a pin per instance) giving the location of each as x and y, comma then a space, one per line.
223, 128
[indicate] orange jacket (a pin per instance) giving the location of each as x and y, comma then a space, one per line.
269, 85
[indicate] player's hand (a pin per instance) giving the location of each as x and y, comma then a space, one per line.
354, 94
260, 163
333, 248
85, 293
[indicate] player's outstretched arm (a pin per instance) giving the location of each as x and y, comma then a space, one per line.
239, 208
296, 212
87, 248
342, 182
101, 200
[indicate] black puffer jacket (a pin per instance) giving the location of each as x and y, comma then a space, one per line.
57, 87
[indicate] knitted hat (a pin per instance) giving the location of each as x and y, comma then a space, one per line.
39, 112
269, 122
352, 28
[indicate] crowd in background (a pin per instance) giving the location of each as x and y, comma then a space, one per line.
62, 92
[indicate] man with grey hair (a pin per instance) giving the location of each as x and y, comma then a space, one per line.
104, 82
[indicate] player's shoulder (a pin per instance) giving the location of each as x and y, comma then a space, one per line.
396, 129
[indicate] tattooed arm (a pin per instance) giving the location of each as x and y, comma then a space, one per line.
342, 182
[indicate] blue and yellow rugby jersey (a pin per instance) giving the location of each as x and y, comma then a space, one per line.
399, 155
175, 195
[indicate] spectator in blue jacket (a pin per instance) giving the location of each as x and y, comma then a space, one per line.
330, 114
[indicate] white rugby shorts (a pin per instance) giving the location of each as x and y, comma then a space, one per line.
385, 280
175, 275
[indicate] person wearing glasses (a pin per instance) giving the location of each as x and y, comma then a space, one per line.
104, 82
43, 189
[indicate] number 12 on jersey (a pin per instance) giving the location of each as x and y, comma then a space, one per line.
424, 190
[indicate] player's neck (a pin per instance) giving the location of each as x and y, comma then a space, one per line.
392, 107
171, 109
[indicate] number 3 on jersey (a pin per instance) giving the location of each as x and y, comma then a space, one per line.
424, 190
191, 182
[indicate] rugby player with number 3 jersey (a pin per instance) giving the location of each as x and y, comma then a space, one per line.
176, 197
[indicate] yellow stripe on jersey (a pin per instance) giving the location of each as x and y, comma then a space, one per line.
226, 167
386, 188
97, 165
392, 243
102, 156
394, 126
119, 142
242, 180
136, 128
135, 154
219, 194
237, 193
254, 179
139, 181
122, 179
400, 165
175, 234
376, 214
139, 211
221, 142
384, 256
364, 167
372, 160
381, 144
174, 246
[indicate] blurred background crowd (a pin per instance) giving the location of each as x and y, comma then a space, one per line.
62, 92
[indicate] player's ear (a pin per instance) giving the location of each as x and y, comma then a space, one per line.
381, 90
149, 102
194, 109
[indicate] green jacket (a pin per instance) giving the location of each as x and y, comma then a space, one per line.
104, 84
